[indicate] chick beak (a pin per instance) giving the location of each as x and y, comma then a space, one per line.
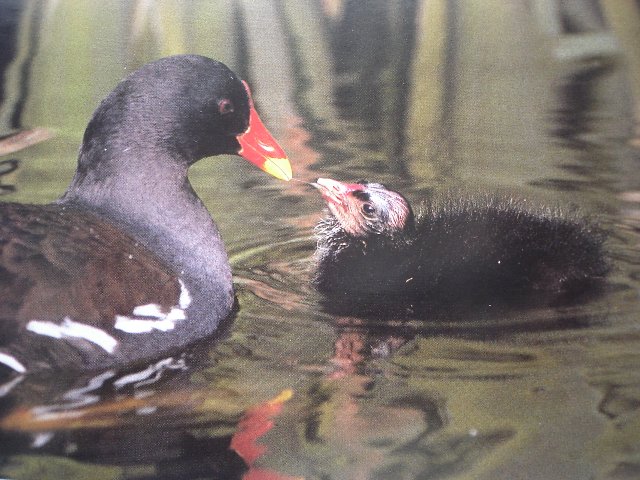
334, 192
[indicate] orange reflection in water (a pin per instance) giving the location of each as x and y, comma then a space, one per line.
254, 424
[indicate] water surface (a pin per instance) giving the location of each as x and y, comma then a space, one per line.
524, 98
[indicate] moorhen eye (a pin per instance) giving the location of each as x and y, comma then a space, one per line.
225, 106
457, 251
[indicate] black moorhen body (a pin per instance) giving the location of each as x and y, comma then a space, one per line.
128, 264
375, 256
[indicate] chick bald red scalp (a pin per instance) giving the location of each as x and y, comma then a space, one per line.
259, 147
366, 208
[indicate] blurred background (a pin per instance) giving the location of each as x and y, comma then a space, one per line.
536, 98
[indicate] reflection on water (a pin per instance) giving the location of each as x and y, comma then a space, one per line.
536, 98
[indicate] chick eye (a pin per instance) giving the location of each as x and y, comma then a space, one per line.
368, 209
225, 106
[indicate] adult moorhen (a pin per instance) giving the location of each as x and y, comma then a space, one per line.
128, 264
374, 255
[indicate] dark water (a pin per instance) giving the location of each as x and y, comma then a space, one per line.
535, 98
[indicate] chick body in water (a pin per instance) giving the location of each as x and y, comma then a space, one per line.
375, 254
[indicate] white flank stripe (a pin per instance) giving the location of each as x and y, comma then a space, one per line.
133, 325
185, 296
152, 316
148, 310
175, 314
72, 329
49, 329
12, 362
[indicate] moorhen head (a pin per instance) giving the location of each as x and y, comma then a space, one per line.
128, 265
373, 254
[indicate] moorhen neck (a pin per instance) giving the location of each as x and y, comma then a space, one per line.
374, 255
128, 265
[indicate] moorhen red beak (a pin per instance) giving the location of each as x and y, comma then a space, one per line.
259, 147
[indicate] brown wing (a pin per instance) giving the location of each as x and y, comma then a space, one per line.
58, 263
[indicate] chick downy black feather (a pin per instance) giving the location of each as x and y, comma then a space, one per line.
469, 250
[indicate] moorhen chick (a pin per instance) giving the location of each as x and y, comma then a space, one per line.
128, 265
374, 255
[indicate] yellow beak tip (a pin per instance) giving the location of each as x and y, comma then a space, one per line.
279, 168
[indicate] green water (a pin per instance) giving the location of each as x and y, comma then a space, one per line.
510, 96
